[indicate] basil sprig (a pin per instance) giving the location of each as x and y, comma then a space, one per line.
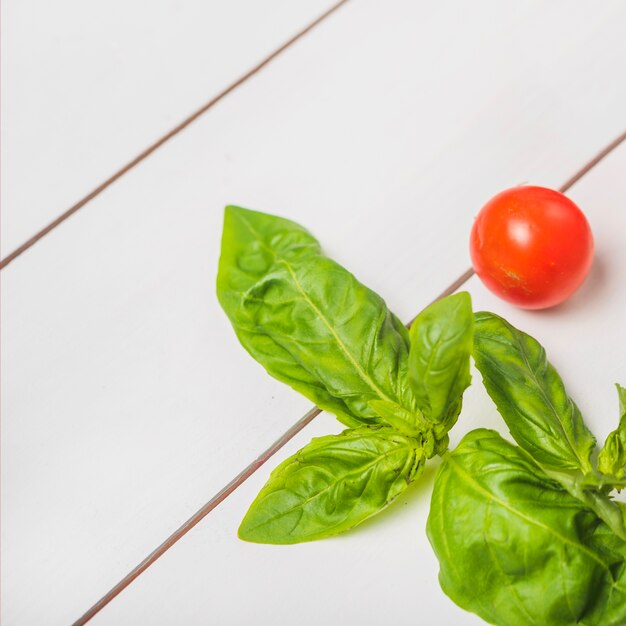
314, 326
526, 534
530, 534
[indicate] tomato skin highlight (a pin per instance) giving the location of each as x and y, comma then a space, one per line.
531, 246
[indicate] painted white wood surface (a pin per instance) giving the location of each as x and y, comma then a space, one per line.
128, 402
384, 572
88, 85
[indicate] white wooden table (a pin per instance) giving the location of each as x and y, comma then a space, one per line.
127, 402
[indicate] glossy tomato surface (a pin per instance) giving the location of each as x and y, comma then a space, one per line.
531, 246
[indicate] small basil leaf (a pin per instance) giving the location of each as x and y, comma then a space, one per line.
515, 547
411, 424
612, 457
441, 343
593, 492
530, 395
331, 485
308, 321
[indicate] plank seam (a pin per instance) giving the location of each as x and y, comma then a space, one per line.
165, 138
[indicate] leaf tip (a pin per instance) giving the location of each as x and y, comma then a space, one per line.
232, 211
463, 296
242, 533
246, 531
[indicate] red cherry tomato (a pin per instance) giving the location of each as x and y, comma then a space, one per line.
531, 246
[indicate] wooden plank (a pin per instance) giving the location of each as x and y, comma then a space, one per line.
86, 87
384, 571
127, 402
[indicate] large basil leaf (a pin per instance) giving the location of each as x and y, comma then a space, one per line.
530, 395
309, 321
612, 457
439, 358
331, 485
515, 547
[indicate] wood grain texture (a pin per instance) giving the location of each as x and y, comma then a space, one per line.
204, 577
128, 403
89, 92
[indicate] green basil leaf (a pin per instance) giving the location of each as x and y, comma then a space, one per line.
441, 344
612, 457
515, 547
331, 485
308, 321
530, 395
411, 424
